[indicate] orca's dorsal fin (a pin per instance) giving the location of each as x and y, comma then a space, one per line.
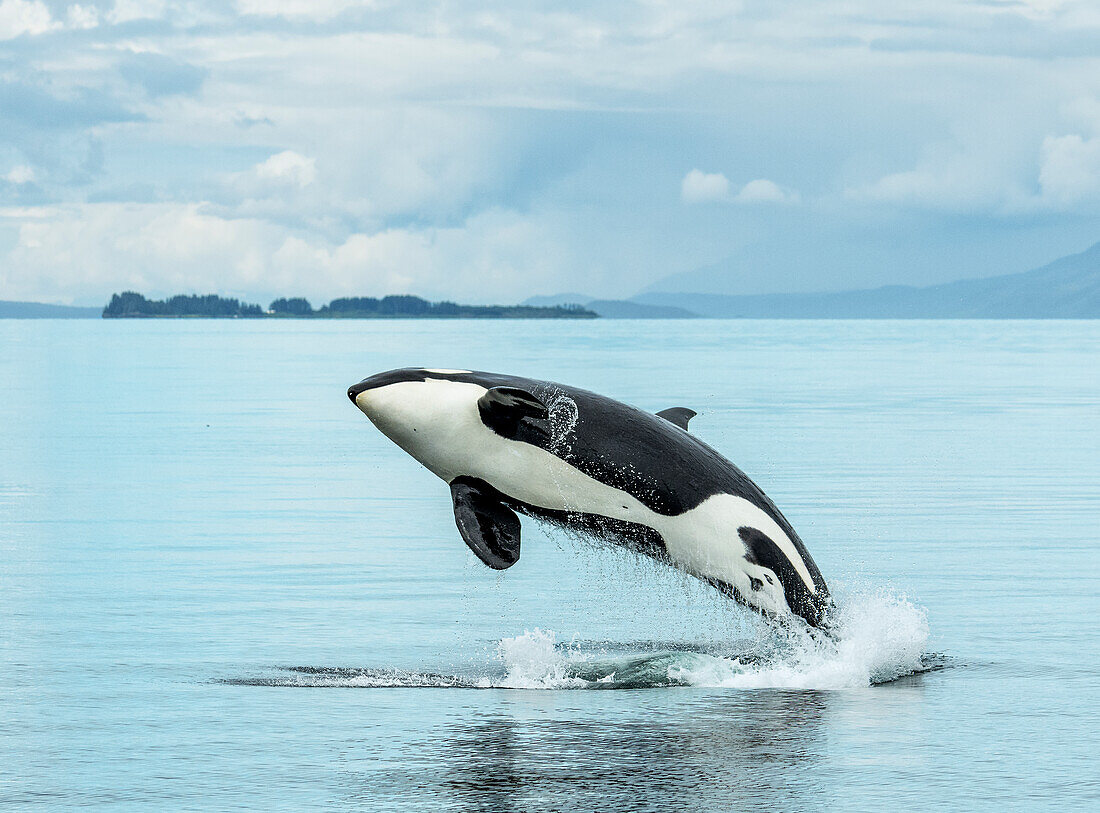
678, 415
488, 526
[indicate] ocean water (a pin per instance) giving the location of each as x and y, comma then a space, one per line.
222, 589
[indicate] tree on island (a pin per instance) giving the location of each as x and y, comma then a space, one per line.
131, 304
404, 305
292, 307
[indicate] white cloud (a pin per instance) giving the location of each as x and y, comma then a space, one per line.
496, 256
372, 166
764, 191
714, 187
19, 17
82, 17
951, 188
1069, 170
311, 9
704, 187
970, 174
288, 167
957, 177
85, 252
125, 11
20, 175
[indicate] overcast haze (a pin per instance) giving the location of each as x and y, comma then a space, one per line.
485, 152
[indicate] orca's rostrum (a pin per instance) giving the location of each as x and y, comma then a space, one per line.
506, 444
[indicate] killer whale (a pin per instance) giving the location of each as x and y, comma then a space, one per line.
507, 445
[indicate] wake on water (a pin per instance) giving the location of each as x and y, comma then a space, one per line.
880, 637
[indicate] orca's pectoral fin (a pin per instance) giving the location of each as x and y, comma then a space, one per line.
489, 528
678, 415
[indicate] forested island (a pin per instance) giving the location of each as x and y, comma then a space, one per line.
131, 305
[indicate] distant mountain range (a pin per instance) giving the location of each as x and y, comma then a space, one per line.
613, 308
1068, 288
37, 310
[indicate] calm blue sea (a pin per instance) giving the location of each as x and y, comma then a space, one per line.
222, 589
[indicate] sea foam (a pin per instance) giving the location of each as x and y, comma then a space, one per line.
879, 637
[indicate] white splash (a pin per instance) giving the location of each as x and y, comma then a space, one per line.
880, 637
533, 661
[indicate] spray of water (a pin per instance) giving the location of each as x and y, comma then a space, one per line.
880, 637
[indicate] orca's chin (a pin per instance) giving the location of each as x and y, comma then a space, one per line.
362, 401
356, 390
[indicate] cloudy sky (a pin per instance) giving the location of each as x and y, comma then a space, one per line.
489, 151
